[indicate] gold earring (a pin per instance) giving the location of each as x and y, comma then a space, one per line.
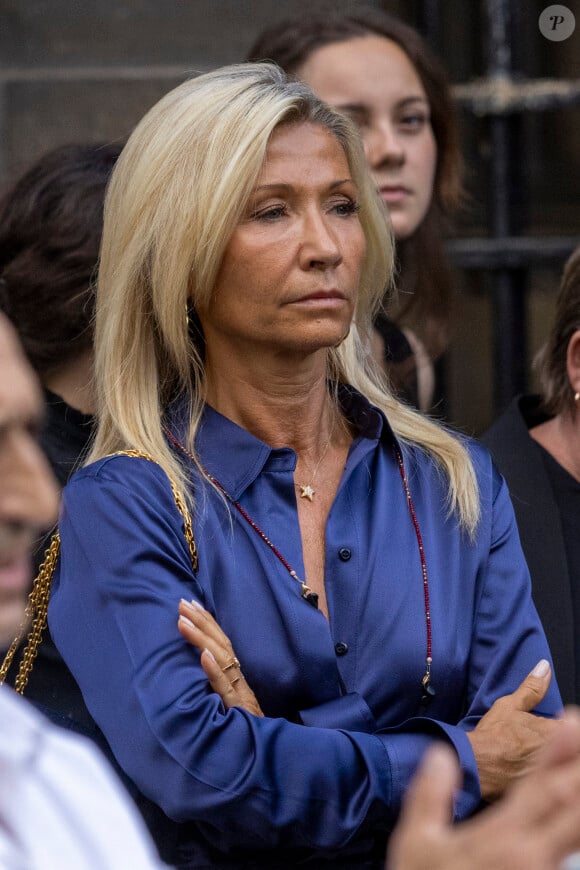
576, 396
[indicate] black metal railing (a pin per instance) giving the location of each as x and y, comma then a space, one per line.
501, 98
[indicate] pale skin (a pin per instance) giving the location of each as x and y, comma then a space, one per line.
373, 81
560, 436
534, 827
286, 292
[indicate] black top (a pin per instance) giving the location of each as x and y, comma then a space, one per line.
521, 461
399, 359
65, 436
567, 494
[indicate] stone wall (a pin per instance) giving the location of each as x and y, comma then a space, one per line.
87, 70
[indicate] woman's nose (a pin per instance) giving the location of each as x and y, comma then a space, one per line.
320, 247
383, 145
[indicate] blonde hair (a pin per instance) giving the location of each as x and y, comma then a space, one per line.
178, 191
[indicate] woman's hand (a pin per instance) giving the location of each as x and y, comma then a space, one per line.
534, 827
506, 741
218, 658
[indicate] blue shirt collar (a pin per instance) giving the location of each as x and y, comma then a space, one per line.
235, 457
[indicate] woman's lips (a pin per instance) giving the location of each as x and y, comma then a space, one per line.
322, 297
393, 194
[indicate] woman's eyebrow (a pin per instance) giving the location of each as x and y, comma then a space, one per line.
418, 99
274, 185
282, 185
362, 107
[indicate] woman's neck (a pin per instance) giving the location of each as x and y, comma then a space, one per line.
560, 436
284, 407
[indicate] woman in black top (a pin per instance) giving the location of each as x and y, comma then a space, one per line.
536, 444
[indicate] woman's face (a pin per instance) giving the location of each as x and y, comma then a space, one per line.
372, 80
289, 277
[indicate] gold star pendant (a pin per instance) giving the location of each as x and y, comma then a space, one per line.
306, 491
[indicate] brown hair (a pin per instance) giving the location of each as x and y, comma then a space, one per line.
424, 271
51, 221
557, 394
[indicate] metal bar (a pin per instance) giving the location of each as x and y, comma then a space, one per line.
429, 22
508, 286
503, 95
511, 252
3, 129
499, 57
509, 340
500, 177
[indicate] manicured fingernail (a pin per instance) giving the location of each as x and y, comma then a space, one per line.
210, 655
186, 621
541, 669
195, 604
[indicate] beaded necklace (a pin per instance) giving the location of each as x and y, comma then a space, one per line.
427, 690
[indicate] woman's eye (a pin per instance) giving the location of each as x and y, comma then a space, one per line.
414, 122
270, 214
346, 208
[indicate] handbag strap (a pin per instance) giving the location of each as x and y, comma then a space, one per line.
37, 605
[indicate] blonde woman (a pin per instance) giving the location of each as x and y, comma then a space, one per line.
362, 561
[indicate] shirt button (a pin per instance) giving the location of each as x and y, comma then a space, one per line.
341, 648
344, 554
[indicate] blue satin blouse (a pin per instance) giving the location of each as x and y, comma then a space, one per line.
341, 737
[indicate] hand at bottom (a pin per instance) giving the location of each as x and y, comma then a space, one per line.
507, 740
534, 827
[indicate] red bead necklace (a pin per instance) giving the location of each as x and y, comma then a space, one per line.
427, 690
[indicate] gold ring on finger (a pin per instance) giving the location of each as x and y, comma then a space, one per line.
233, 664
235, 680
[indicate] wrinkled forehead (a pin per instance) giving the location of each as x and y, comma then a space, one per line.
295, 142
20, 398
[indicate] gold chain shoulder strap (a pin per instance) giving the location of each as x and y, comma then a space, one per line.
35, 617
37, 605
179, 503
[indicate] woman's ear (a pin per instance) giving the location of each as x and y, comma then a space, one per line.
573, 361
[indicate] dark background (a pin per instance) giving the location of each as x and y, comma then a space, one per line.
88, 70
